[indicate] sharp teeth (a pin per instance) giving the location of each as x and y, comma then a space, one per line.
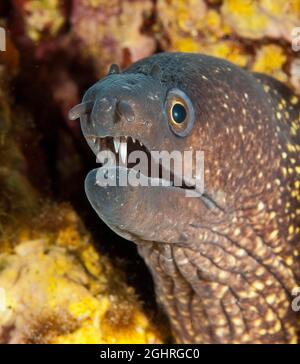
117, 144
133, 140
98, 143
94, 140
123, 151
141, 144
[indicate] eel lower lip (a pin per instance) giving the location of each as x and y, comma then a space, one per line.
112, 171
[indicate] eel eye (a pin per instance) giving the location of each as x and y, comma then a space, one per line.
180, 112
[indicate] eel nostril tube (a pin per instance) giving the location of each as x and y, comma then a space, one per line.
124, 109
114, 69
80, 109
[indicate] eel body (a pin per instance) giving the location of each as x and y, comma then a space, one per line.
224, 263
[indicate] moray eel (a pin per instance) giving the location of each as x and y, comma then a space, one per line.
224, 263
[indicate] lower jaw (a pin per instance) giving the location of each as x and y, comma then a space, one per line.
121, 176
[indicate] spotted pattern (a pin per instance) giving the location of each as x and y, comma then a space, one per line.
224, 273
233, 282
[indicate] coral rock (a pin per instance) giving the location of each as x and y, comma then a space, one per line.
55, 288
111, 32
258, 19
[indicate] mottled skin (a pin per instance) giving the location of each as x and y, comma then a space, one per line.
223, 272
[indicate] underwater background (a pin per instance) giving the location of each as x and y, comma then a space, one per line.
64, 276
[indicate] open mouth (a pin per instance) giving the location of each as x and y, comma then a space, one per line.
122, 146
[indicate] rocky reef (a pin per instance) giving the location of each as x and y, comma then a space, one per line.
56, 288
64, 277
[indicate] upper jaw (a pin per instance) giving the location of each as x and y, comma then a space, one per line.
118, 144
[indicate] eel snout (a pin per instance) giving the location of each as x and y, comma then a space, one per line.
81, 109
